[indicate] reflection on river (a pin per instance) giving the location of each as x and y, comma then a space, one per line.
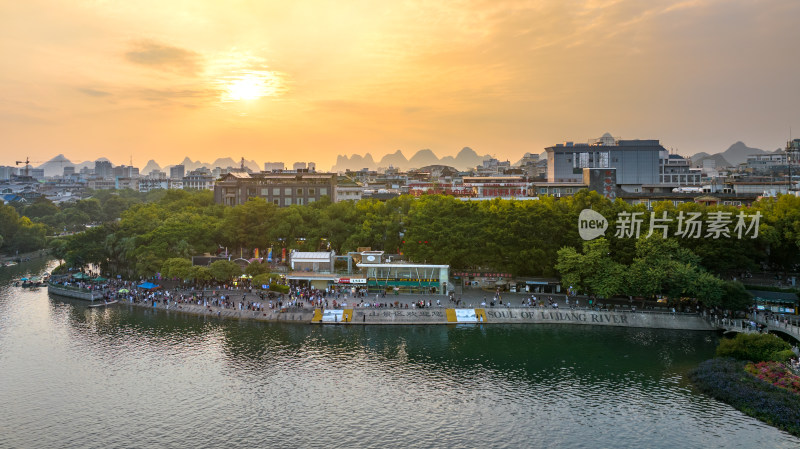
71, 376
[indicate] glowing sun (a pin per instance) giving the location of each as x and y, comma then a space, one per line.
250, 86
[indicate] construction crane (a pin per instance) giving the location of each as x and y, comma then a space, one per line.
27, 163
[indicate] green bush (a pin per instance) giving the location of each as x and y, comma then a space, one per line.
279, 288
783, 356
753, 347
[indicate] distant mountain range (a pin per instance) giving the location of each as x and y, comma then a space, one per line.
465, 159
55, 166
190, 165
735, 154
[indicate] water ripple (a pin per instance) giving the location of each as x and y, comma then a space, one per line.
71, 376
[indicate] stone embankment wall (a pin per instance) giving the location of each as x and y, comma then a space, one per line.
295, 315
532, 316
454, 316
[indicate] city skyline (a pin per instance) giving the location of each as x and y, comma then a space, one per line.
308, 81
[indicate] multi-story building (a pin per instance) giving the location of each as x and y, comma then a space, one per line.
125, 171
636, 161
761, 163
348, 190
492, 166
147, 184
36, 173
7, 172
177, 172
101, 184
674, 171
638, 165
127, 183
282, 189
102, 169
153, 181
200, 179
496, 186
793, 151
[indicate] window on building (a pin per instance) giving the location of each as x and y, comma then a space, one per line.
543, 190
299, 192
276, 191
264, 192
312, 191
568, 190
287, 191
276, 202
323, 190
299, 201
287, 201
310, 200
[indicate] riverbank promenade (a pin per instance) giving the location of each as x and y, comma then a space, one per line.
472, 306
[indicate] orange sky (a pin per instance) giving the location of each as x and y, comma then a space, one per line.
306, 80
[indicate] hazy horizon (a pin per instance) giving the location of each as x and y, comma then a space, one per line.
310, 80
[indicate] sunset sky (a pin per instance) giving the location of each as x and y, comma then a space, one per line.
306, 80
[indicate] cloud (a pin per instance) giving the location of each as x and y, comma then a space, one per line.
93, 92
165, 57
180, 97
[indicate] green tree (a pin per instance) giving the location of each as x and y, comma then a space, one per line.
92, 208
735, 296
113, 207
9, 223
29, 236
256, 268
593, 271
40, 208
224, 270
201, 274
177, 267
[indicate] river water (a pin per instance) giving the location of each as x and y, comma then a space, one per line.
72, 376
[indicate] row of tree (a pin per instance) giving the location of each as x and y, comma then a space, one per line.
521, 237
19, 233
660, 267
139, 233
25, 226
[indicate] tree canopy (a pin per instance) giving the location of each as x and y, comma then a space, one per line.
136, 234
